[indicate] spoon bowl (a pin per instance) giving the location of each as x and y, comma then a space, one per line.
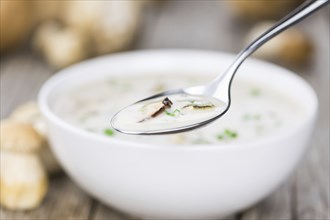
170, 128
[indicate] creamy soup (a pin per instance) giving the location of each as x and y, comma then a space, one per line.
257, 110
167, 112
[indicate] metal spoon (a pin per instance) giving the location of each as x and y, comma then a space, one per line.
219, 88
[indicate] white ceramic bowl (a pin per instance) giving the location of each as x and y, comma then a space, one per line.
168, 181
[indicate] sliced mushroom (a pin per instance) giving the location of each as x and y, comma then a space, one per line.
155, 109
200, 106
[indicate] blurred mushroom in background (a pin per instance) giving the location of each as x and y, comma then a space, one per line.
15, 23
111, 25
26, 159
23, 179
262, 9
65, 32
88, 28
61, 45
292, 47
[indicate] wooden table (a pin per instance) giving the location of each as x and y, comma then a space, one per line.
202, 25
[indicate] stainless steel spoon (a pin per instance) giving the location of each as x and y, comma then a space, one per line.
219, 88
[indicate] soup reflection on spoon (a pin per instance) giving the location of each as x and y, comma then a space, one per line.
149, 116
166, 113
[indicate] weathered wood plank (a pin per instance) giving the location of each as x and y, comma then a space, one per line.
277, 206
22, 75
103, 212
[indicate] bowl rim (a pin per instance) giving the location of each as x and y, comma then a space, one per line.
49, 86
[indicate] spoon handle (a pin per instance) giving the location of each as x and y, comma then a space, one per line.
221, 85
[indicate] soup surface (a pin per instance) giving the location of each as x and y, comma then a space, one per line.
257, 110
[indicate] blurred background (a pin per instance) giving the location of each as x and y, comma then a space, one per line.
65, 32
39, 38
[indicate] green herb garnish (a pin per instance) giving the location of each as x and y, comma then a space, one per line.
112, 82
109, 132
257, 117
255, 92
175, 113
247, 117
227, 135
231, 134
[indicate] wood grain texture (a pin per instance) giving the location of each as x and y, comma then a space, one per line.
22, 75
277, 206
102, 212
200, 25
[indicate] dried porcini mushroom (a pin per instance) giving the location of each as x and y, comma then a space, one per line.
165, 103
